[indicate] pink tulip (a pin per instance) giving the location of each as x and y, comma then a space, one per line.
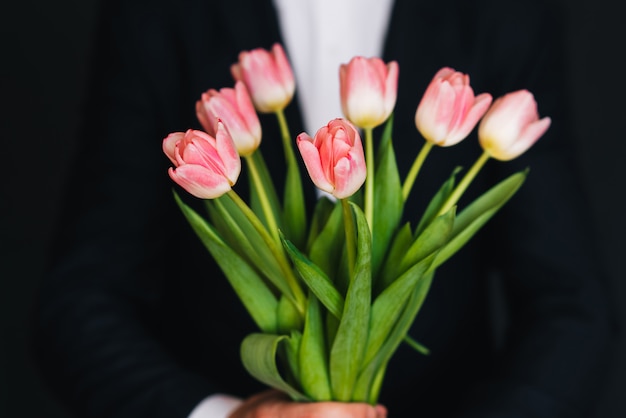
206, 167
448, 110
511, 126
268, 77
334, 158
368, 90
234, 108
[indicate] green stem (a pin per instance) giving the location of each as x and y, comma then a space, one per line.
286, 137
297, 296
464, 183
348, 222
369, 180
265, 203
415, 169
294, 207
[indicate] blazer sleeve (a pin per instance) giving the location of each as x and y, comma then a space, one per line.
100, 311
556, 325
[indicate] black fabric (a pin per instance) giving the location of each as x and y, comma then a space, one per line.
135, 320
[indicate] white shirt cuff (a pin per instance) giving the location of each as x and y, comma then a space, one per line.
216, 406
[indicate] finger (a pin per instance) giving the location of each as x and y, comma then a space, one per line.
331, 410
381, 411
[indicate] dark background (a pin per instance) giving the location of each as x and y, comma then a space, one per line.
45, 46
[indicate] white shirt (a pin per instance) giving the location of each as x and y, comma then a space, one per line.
319, 35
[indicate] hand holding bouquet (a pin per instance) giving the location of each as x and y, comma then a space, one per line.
334, 293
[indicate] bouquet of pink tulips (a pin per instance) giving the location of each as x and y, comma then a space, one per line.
335, 293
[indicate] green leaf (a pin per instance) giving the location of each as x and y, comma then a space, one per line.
437, 202
317, 281
472, 218
249, 243
243, 237
370, 380
323, 209
327, 248
251, 289
258, 355
313, 355
377, 384
292, 355
420, 348
398, 248
434, 237
388, 204
332, 325
387, 307
348, 348
221, 226
294, 206
287, 316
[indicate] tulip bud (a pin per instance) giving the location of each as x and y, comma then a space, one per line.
268, 77
511, 126
448, 110
234, 108
334, 158
206, 167
368, 90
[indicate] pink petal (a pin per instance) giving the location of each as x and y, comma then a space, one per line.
445, 107
527, 139
202, 153
480, 106
283, 69
270, 84
199, 181
343, 88
463, 102
204, 116
225, 147
349, 176
246, 109
443, 73
391, 87
324, 143
169, 145
343, 185
220, 107
434, 112
235, 71
340, 144
311, 157
364, 88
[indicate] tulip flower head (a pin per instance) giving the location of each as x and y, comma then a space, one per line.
206, 166
511, 126
368, 90
448, 110
334, 158
268, 77
234, 108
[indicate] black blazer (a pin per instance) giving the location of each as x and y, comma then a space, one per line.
134, 319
